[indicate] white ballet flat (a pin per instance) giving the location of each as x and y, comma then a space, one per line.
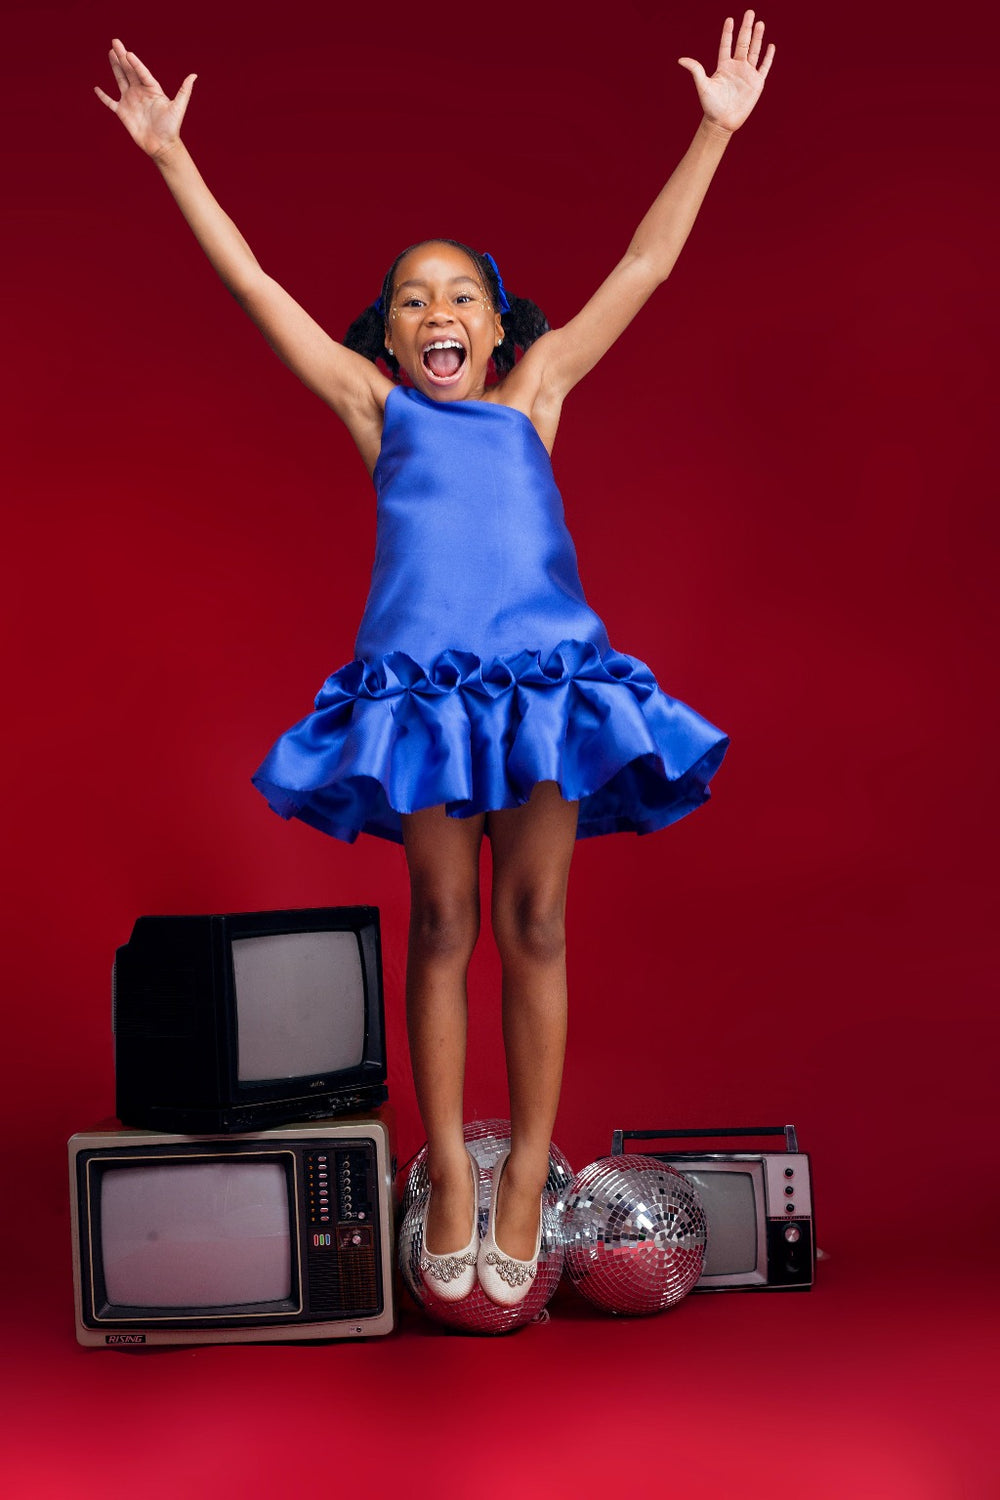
503, 1278
452, 1277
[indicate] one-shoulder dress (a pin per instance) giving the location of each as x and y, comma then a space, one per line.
480, 669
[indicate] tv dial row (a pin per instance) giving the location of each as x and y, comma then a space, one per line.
794, 1188
791, 1233
335, 1182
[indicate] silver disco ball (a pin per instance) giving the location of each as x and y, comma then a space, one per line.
634, 1232
487, 1140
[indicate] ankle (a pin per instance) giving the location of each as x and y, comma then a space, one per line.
452, 1212
524, 1177
448, 1167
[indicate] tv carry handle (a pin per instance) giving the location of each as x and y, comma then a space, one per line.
619, 1137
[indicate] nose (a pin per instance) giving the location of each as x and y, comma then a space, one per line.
438, 311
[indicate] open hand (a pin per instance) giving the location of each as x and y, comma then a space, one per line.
150, 117
734, 88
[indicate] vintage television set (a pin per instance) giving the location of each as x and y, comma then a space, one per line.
239, 1021
758, 1205
285, 1234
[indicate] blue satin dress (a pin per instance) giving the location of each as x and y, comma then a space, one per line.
480, 668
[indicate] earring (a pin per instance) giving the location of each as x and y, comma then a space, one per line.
390, 352
498, 342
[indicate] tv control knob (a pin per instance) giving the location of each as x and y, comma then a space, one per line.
789, 1171
792, 1233
789, 1191
789, 1208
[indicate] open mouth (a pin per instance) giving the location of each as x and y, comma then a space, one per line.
443, 360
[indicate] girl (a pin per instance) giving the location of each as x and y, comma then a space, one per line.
485, 698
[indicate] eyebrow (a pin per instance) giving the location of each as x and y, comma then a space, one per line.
416, 281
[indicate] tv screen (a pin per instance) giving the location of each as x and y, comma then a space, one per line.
240, 1020
195, 1234
730, 1199
299, 1004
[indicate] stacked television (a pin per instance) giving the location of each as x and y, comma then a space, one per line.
245, 1191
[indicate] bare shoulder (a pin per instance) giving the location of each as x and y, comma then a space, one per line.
357, 391
526, 390
361, 408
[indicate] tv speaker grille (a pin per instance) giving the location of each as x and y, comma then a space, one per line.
343, 1279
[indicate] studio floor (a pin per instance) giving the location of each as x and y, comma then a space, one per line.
880, 1382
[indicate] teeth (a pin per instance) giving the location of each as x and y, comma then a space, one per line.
443, 344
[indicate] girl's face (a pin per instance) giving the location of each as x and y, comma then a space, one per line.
442, 325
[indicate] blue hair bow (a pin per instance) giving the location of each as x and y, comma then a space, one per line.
503, 305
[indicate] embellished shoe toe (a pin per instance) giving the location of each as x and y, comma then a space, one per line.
452, 1277
505, 1279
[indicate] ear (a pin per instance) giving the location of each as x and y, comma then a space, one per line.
499, 333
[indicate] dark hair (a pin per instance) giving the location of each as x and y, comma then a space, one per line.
522, 325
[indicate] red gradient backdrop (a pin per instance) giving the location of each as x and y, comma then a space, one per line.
782, 497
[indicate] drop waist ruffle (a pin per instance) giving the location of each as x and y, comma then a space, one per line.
391, 737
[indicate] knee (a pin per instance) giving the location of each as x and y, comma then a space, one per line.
531, 927
444, 927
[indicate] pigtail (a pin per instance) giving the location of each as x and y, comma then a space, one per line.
521, 326
366, 336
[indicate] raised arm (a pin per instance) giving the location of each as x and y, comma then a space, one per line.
562, 357
346, 381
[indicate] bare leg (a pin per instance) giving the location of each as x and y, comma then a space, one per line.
442, 854
532, 849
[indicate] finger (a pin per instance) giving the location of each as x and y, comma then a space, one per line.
111, 103
726, 44
753, 55
765, 66
694, 68
184, 92
118, 71
124, 71
743, 40
143, 74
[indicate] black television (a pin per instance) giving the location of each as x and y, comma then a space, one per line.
282, 1234
244, 1020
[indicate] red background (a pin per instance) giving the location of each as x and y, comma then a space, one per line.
783, 500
